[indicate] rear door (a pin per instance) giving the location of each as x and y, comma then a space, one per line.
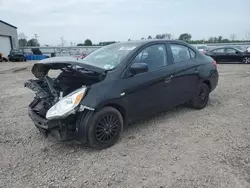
219, 54
185, 78
232, 55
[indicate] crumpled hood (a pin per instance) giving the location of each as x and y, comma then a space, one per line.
41, 68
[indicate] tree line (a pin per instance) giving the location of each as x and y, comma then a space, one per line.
187, 37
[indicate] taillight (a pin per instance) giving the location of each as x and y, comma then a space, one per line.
215, 64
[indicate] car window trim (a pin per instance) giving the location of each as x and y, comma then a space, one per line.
175, 43
218, 49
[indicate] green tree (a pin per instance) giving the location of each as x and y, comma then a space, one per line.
219, 38
185, 37
225, 41
22, 42
106, 43
160, 36
80, 44
87, 42
33, 42
211, 39
149, 37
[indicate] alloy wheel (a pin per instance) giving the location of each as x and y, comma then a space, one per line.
246, 60
203, 96
107, 128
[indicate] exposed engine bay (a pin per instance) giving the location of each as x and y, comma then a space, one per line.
50, 90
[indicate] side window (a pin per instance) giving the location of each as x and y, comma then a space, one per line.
230, 50
192, 53
154, 56
180, 53
221, 50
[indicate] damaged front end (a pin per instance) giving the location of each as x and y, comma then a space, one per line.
57, 102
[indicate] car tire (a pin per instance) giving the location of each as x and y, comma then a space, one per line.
246, 60
104, 128
201, 97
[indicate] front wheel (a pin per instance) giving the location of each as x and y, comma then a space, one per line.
105, 128
201, 97
246, 60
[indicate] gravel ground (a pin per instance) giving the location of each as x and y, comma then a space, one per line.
180, 148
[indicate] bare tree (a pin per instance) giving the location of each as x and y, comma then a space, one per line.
62, 41
22, 36
247, 35
233, 36
168, 36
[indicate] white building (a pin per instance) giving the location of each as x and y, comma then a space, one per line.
8, 38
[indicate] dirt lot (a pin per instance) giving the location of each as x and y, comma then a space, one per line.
179, 148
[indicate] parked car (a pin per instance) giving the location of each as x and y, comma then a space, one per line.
229, 55
79, 56
242, 48
202, 48
248, 49
93, 98
16, 55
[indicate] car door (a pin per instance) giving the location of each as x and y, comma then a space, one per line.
233, 55
150, 92
185, 78
218, 54
223, 56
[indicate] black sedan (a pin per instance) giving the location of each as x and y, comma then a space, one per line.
16, 55
230, 55
93, 98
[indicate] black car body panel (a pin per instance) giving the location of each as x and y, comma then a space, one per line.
228, 55
134, 96
42, 68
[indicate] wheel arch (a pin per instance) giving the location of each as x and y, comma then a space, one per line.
119, 107
207, 82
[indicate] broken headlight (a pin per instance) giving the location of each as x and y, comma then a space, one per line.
66, 105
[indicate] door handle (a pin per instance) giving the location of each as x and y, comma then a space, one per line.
168, 79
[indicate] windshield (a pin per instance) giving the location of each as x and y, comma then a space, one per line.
110, 56
16, 51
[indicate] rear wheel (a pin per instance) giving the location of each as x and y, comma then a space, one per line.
201, 97
105, 128
246, 60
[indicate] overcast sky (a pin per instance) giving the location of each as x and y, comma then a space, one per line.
119, 20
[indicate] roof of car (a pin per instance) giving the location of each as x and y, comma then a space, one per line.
150, 41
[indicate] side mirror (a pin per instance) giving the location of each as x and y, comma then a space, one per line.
137, 68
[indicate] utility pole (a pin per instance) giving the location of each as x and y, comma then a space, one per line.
62, 41
36, 38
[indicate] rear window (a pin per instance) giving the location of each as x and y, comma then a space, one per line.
181, 53
221, 50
